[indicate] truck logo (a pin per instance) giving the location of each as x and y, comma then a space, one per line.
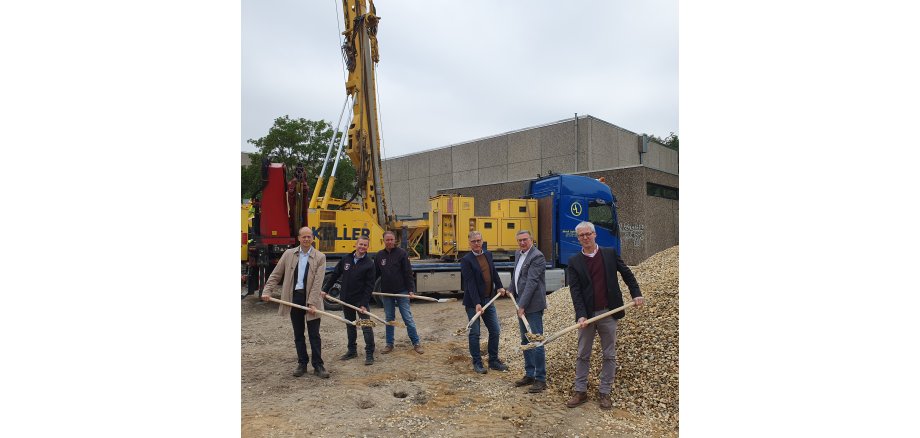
576, 208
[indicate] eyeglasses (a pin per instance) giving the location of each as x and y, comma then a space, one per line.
584, 235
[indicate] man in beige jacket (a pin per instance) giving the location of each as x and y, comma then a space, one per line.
300, 272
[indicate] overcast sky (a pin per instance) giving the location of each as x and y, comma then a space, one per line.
454, 71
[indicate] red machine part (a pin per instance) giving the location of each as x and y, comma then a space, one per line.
275, 227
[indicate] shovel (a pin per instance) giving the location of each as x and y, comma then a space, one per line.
392, 323
418, 297
473, 319
556, 335
529, 335
286, 303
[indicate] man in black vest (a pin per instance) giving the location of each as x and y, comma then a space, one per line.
595, 290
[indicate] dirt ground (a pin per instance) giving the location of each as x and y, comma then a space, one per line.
433, 394
403, 393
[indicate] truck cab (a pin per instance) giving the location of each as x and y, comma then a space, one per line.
567, 200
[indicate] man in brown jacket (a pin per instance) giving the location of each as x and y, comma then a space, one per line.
300, 272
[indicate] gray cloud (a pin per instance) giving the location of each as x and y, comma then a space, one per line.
456, 71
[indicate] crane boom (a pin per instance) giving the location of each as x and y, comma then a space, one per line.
360, 52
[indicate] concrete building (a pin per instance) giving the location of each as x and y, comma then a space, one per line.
643, 175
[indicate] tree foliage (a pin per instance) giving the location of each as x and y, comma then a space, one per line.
291, 141
670, 141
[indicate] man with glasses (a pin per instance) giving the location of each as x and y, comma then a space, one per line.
593, 284
480, 284
528, 284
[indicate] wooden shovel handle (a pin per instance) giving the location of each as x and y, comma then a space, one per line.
286, 303
334, 299
523, 319
556, 335
473, 319
383, 294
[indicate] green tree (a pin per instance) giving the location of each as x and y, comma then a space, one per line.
291, 141
670, 141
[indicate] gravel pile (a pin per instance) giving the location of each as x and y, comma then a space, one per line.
646, 380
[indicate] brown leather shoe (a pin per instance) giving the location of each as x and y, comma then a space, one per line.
418, 349
526, 380
604, 401
387, 349
538, 386
577, 399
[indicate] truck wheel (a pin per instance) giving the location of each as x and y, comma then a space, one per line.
334, 292
377, 298
252, 280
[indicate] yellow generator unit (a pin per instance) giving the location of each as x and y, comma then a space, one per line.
489, 227
514, 208
452, 218
514, 215
449, 216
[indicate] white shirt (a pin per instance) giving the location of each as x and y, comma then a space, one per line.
303, 259
517, 269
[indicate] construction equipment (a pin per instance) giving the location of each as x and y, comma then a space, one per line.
550, 209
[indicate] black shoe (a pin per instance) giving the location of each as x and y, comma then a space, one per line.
498, 366
348, 355
321, 372
479, 369
369, 360
527, 380
537, 386
301, 368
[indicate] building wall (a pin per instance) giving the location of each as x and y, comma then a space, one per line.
558, 147
648, 224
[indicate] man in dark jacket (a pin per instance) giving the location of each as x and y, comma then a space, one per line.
395, 274
480, 284
358, 274
594, 288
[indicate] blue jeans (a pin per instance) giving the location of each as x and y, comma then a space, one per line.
389, 309
535, 358
490, 318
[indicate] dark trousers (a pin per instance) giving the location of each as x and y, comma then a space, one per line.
351, 314
298, 320
490, 318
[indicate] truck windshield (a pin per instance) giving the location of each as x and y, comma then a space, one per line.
601, 215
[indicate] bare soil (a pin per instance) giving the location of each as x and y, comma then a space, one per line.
404, 393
